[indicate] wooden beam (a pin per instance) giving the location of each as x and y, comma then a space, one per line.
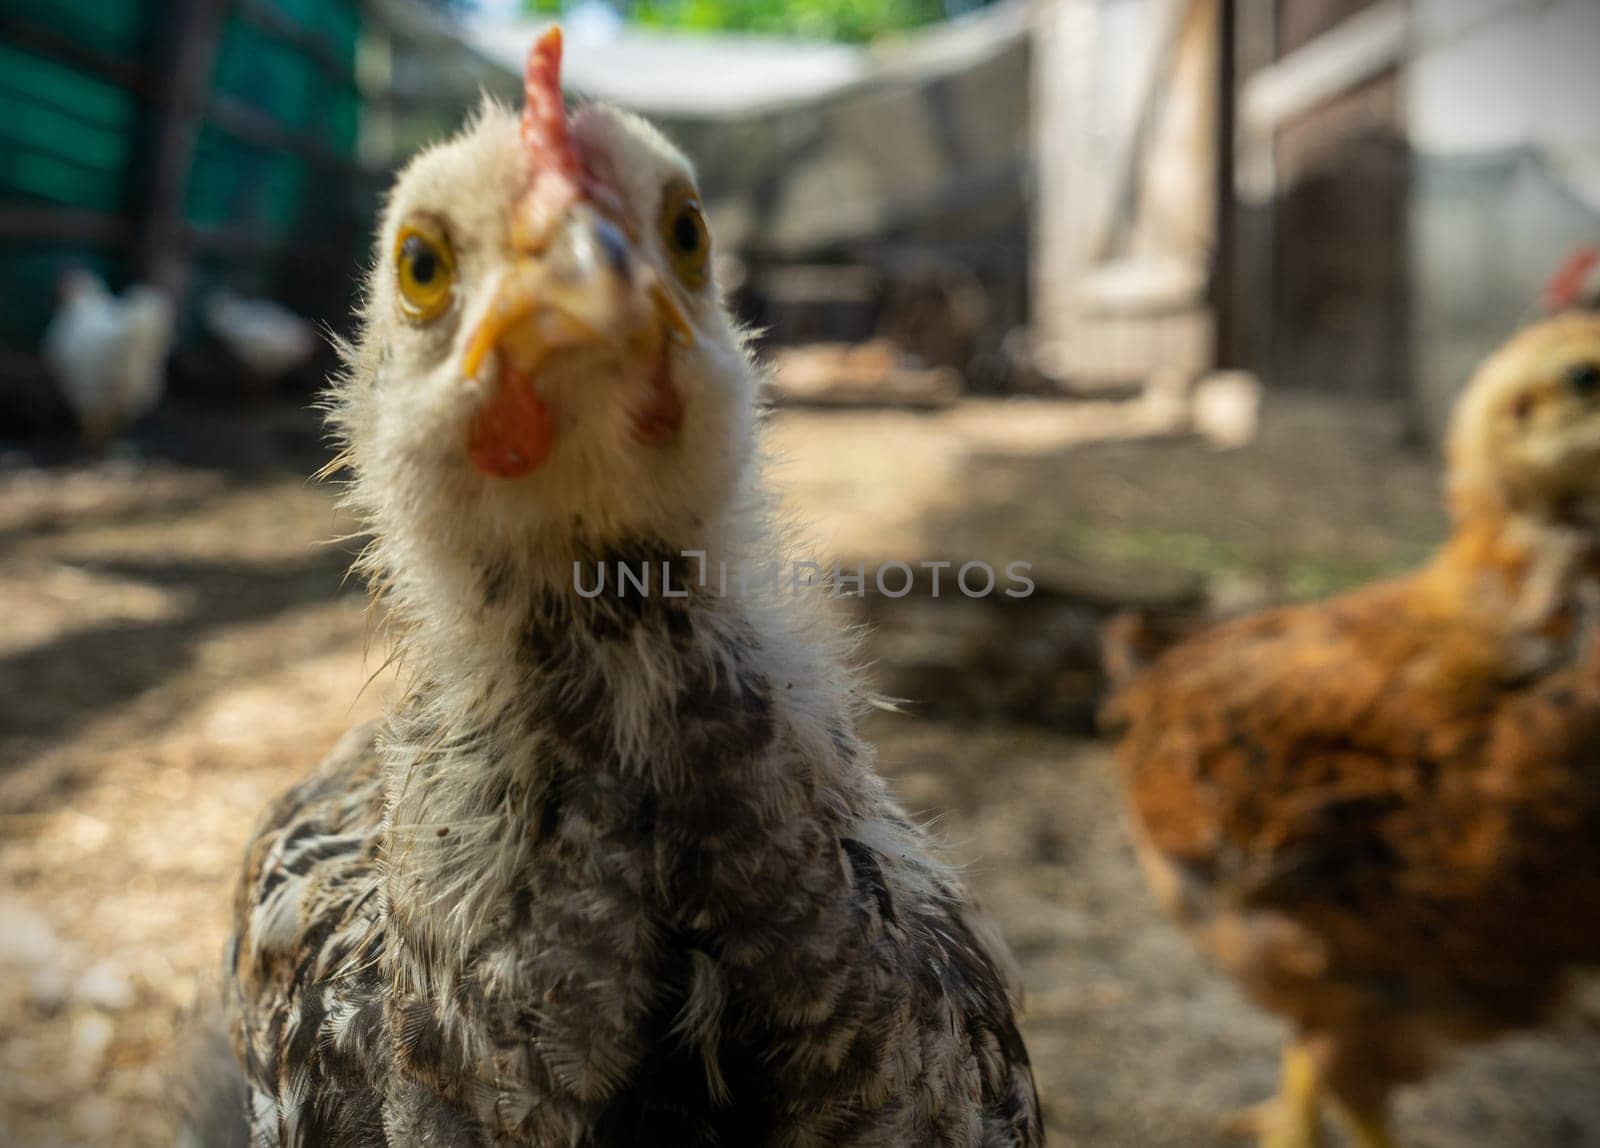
242, 241
50, 44
254, 126
188, 58
1359, 48
1224, 259
229, 241
1167, 21
29, 223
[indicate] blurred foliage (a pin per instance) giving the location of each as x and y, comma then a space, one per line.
1279, 568
852, 20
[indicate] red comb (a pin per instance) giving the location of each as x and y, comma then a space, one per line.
553, 166
1566, 287
544, 115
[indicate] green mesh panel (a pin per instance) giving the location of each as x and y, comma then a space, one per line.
268, 73
67, 139
121, 28
64, 138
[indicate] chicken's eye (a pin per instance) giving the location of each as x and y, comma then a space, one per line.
1583, 379
683, 231
425, 270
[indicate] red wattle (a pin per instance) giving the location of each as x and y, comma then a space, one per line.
512, 434
658, 421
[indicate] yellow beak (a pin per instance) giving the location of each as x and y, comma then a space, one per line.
582, 286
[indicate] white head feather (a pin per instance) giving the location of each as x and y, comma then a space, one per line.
405, 404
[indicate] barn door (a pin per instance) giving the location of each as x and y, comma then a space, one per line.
1337, 275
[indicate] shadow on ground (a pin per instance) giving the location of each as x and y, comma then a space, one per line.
178, 649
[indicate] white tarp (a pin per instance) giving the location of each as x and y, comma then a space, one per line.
717, 76
1498, 75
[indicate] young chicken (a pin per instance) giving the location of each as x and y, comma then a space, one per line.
1382, 813
618, 870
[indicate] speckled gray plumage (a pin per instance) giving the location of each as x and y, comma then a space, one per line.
729, 947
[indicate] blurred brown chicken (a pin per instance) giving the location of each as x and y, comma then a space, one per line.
1381, 813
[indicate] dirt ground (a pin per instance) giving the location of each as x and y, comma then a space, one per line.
177, 646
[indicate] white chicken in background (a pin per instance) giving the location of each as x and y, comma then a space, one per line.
268, 338
108, 353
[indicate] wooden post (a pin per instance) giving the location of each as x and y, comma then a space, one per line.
1224, 280
1066, 181
183, 83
